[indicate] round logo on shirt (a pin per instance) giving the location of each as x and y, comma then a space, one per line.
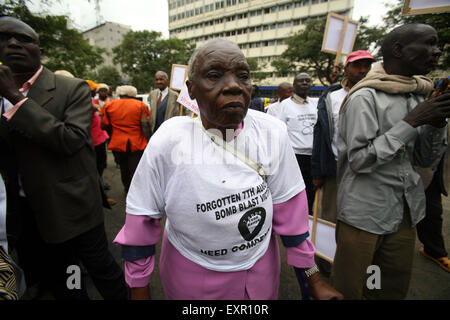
251, 223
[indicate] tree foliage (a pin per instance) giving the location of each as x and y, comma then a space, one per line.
143, 53
106, 74
63, 48
440, 22
304, 50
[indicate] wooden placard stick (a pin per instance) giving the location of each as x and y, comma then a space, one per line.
314, 223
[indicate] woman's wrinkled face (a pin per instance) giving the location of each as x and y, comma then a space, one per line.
221, 85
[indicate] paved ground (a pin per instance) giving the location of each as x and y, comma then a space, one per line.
429, 282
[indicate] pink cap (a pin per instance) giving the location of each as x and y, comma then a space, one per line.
358, 55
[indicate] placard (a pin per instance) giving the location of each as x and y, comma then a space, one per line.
325, 241
339, 36
415, 7
178, 76
185, 100
322, 233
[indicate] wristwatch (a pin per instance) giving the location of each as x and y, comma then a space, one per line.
309, 272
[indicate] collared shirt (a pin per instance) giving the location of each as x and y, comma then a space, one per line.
9, 108
376, 153
164, 93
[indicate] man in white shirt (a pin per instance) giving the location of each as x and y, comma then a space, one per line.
284, 91
300, 115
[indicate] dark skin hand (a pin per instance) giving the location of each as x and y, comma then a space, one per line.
318, 183
320, 290
8, 86
433, 111
140, 293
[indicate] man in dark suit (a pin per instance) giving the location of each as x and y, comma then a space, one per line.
163, 102
57, 220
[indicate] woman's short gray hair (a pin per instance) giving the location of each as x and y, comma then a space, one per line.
193, 58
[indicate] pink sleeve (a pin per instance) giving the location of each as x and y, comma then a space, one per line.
139, 231
8, 114
290, 218
138, 272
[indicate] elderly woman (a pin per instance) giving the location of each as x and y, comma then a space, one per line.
129, 121
224, 205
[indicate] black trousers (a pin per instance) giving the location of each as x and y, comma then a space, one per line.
47, 264
429, 230
304, 162
128, 162
100, 155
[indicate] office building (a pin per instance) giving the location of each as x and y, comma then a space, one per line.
259, 27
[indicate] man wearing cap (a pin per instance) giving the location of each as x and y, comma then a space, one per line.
324, 154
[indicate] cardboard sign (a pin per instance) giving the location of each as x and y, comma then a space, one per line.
325, 241
185, 100
340, 35
322, 233
415, 7
178, 76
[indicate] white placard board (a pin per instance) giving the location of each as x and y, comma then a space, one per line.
415, 7
349, 38
333, 35
325, 241
185, 100
340, 35
178, 76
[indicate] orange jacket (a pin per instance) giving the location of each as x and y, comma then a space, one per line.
125, 116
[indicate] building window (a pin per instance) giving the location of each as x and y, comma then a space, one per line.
266, 27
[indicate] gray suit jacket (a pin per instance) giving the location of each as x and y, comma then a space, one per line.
172, 110
51, 139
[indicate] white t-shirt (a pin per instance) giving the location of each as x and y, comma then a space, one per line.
336, 98
300, 120
218, 209
274, 108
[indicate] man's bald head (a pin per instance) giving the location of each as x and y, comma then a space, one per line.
18, 23
410, 49
285, 90
19, 46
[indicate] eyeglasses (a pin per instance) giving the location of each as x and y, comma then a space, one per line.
4, 37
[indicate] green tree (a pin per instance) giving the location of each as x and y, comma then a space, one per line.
304, 50
142, 53
106, 74
440, 22
255, 70
63, 48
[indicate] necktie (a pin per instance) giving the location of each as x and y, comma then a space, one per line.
159, 99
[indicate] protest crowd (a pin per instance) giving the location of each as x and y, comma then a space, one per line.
218, 186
